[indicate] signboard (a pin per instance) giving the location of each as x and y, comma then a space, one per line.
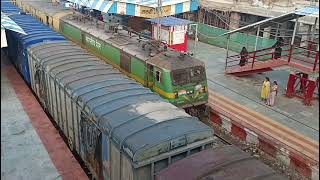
93, 42
178, 37
149, 12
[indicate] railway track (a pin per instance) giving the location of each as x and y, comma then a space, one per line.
253, 100
223, 140
265, 127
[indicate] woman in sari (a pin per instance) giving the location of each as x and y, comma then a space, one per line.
243, 56
273, 94
277, 48
265, 90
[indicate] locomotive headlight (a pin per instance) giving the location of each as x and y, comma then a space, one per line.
182, 92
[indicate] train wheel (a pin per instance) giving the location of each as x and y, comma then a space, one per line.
193, 112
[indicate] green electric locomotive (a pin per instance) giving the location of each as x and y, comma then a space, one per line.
177, 77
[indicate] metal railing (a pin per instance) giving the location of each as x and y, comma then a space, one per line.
305, 56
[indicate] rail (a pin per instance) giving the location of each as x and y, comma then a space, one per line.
305, 56
265, 127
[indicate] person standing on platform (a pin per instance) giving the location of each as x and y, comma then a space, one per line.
273, 94
265, 91
243, 56
278, 48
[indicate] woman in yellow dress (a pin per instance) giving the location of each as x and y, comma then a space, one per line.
265, 91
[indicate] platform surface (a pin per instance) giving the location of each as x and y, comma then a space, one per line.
246, 90
31, 148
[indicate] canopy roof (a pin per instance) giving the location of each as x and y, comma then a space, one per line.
306, 11
9, 24
312, 11
140, 8
153, 3
170, 21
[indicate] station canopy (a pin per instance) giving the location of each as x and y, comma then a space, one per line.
140, 8
9, 24
312, 11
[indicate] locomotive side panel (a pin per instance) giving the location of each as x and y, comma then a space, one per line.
71, 32
138, 70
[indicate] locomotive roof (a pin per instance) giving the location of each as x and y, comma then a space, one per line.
171, 60
36, 31
135, 118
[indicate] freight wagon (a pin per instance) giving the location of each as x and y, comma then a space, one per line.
122, 130
181, 79
221, 163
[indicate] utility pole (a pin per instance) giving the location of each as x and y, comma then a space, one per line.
159, 14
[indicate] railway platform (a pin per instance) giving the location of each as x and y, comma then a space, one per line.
31, 147
289, 130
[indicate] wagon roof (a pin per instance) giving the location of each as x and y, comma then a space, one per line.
36, 31
134, 117
47, 5
8, 7
223, 163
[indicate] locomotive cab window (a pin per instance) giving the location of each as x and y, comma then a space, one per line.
158, 76
180, 77
191, 75
197, 74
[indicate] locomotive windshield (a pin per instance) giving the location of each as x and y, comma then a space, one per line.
190, 75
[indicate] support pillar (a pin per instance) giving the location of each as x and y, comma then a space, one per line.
228, 41
295, 30
257, 38
277, 31
314, 29
266, 32
306, 37
234, 20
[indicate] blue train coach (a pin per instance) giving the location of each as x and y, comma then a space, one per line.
18, 43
